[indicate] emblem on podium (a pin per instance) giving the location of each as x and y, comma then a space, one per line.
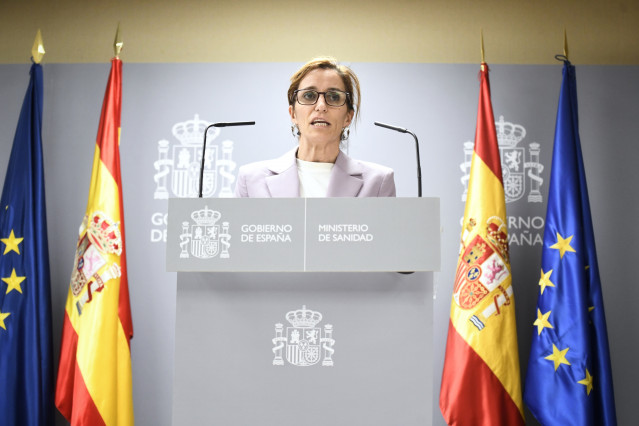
304, 343
204, 238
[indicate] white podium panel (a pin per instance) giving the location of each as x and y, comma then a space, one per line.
284, 349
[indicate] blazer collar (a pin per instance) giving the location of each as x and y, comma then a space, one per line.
345, 181
346, 177
284, 183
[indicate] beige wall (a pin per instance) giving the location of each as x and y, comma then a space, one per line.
437, 31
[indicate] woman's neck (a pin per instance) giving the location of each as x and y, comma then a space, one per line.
317, 153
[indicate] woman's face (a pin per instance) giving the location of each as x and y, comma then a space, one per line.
321, 123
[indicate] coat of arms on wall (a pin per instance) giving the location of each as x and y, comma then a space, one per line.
515, 170
178, 165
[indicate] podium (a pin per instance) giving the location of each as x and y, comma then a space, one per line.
294, 311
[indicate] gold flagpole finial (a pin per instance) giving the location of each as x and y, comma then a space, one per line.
118, 43
481, 37
565, 44
37, 51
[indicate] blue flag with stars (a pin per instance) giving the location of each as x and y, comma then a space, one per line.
26, 361
569, 380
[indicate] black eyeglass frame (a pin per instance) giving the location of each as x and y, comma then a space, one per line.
346, 99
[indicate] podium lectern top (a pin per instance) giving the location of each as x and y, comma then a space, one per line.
303, 234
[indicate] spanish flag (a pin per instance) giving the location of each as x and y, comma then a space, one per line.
480, 381
94, 385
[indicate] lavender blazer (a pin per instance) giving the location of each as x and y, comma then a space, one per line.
349, 178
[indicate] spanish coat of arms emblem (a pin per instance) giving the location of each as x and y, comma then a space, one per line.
483, 274
205, 238
179, 172
99, 237
303, 343
514, 167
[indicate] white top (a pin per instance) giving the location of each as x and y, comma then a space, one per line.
314, 178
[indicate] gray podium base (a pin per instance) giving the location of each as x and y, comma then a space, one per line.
381, 371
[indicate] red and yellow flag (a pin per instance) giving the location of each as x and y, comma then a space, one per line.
480, 381
94, 385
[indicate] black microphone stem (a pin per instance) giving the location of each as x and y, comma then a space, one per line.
236, 123
419, 164
203, 156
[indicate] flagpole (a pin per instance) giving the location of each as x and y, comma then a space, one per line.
37, 51
117, 43
481, 46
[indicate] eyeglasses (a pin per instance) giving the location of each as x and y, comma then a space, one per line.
335, 98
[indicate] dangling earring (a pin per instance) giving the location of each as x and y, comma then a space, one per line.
295, 130
346, 132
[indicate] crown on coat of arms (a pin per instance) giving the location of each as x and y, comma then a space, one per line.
496, 233
303, 317
206, 216
191, 132
105, 234
509, 134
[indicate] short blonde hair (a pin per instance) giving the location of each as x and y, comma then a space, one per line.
351, 82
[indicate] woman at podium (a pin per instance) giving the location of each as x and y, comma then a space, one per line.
324, 99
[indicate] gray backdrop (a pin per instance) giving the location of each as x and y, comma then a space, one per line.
437, 102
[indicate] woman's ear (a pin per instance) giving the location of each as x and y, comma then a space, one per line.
349, 118
291, 112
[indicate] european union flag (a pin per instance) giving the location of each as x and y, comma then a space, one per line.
26, 362
569, 381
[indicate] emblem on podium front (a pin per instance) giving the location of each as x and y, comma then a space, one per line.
203, 237
304, 343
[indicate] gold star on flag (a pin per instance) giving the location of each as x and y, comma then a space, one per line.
11, 243
563, 245
558, 357
587, 382
13, 282
542, 321
2, 317
544, 281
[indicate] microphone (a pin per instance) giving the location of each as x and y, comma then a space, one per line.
233, 123
419, 166
227, 124
388, 126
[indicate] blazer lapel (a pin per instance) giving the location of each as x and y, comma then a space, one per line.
346, 178
284, 183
